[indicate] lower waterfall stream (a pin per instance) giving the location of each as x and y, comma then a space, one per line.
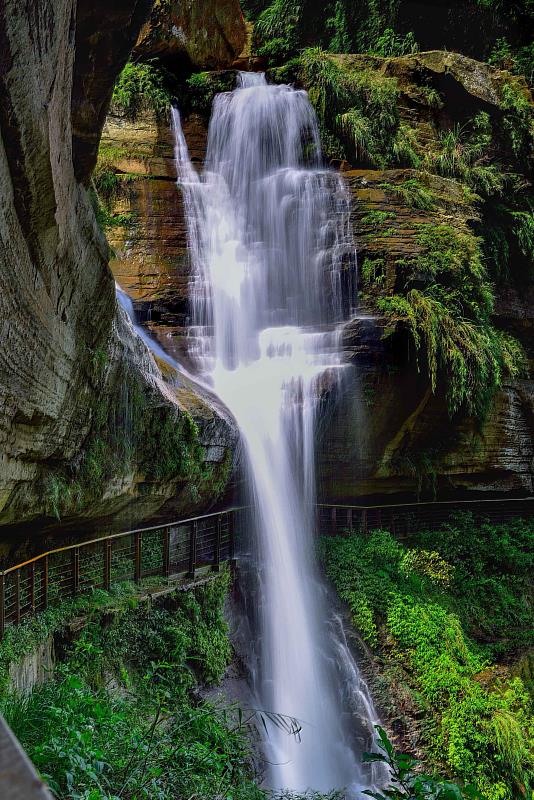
272, 258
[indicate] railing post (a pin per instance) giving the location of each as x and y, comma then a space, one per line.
2, 605
232, 532
107, 564
379, 517
364, 520
17, 596
32, 587
137, 548
45, 583
75, 565
333, 516
167, 552
349, 518
218, 539
192, 549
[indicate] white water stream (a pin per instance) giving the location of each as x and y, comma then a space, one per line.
271, 247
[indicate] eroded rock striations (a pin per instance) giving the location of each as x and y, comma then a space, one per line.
86, 420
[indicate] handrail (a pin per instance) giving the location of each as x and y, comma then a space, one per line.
418, 503
26, 588
76, 545
405, 518
181, 547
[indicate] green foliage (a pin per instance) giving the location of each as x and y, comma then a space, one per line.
377, 218
276, 29
141, 86
464, 153
518, 119
201, 88
413, 193
119, 718
359, 106
430, 610
508, 234
372, 272
428, 564
449, 319
390, 44
407, 781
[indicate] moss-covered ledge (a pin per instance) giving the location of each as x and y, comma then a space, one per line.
30, 651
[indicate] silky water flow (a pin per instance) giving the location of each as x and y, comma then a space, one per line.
272, 257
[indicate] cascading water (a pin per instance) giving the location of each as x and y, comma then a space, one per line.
271, 248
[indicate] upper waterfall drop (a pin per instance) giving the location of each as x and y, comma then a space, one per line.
271, 249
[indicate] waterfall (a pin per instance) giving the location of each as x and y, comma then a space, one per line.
126, 304
271, 251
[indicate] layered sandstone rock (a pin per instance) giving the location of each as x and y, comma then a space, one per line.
387, 434
65, 349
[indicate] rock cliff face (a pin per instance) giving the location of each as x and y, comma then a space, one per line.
207, 34
387, 434
72, 371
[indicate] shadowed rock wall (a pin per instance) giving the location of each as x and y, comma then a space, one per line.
64, 346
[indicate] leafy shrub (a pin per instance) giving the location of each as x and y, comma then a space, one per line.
119, 719
464, 153
450, 317
518, 119
360, 106
428, 564
201, 88
412, 192
140, 85
407, 782
424, 606
390, 44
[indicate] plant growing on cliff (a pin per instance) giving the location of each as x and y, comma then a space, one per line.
448, 318
201, 88
390, 44
141, 86
464, 153
412, 192
359, 106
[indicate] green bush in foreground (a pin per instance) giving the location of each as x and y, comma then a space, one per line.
407, 782
120, 717
441, 612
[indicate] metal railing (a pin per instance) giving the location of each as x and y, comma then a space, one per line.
169, 551
406, 518
180, 548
